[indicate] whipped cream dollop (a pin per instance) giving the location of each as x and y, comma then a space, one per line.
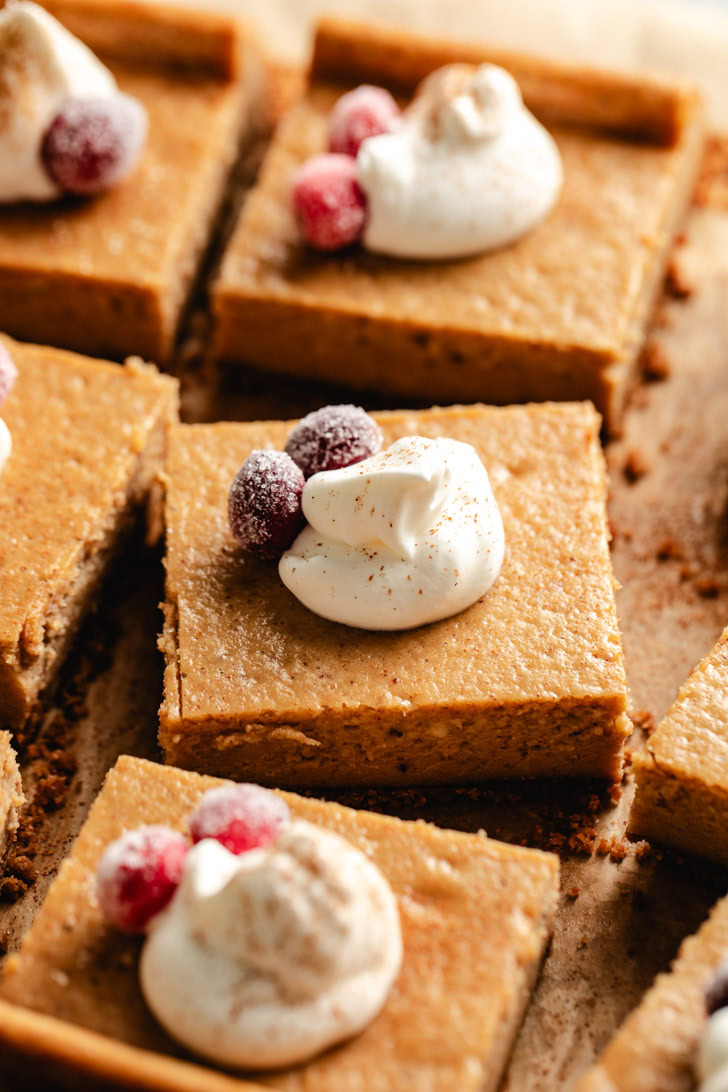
6, 444
468, 169
42, 65
267, 958
712, 1068
403, 538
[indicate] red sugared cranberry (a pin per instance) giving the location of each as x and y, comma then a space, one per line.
332, 437
8, 373
328, 202
264, 503
364, 112
92, 143
716, 993
138, 874
241, 817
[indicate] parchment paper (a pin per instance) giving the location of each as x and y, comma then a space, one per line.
620, 921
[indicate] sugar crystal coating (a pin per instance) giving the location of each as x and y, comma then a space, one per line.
8, 373
333, 437
328, 202
91, 144
138, 874
240, 817
364, 112
264, 503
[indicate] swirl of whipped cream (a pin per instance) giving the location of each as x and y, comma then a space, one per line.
406, 537
467, 170
268, 958
41, 66
712, 1068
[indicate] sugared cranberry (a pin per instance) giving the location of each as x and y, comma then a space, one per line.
241, 817
328, 202
716, 993
8, 373
364, 112
138, 874
332, 437
92, 143
264, 503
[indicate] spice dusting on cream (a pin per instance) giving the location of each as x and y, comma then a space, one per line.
405, 538
468, 170
392, 539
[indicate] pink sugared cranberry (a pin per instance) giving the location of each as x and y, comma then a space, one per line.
92, 143
332, 437
364, 112
8, 373
138, 874
241, 817
264, 503
329, 204
716, 992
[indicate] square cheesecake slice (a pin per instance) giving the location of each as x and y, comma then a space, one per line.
528, 682
88, 445
560, 314
11, 793
110, 276
656, 1048
681, 798
476, 917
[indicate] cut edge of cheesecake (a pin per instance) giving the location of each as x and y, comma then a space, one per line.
244, 123
25, 680
675, 806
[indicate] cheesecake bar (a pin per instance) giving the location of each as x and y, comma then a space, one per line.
110, 276
528, 682
11, 792
558, 315
476, 917
681, 798
656, 1048
88, 445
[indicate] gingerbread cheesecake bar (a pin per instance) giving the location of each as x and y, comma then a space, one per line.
88, 444
657, 1047
558, 314
475, 914
110, 275
682, 774
527, 682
